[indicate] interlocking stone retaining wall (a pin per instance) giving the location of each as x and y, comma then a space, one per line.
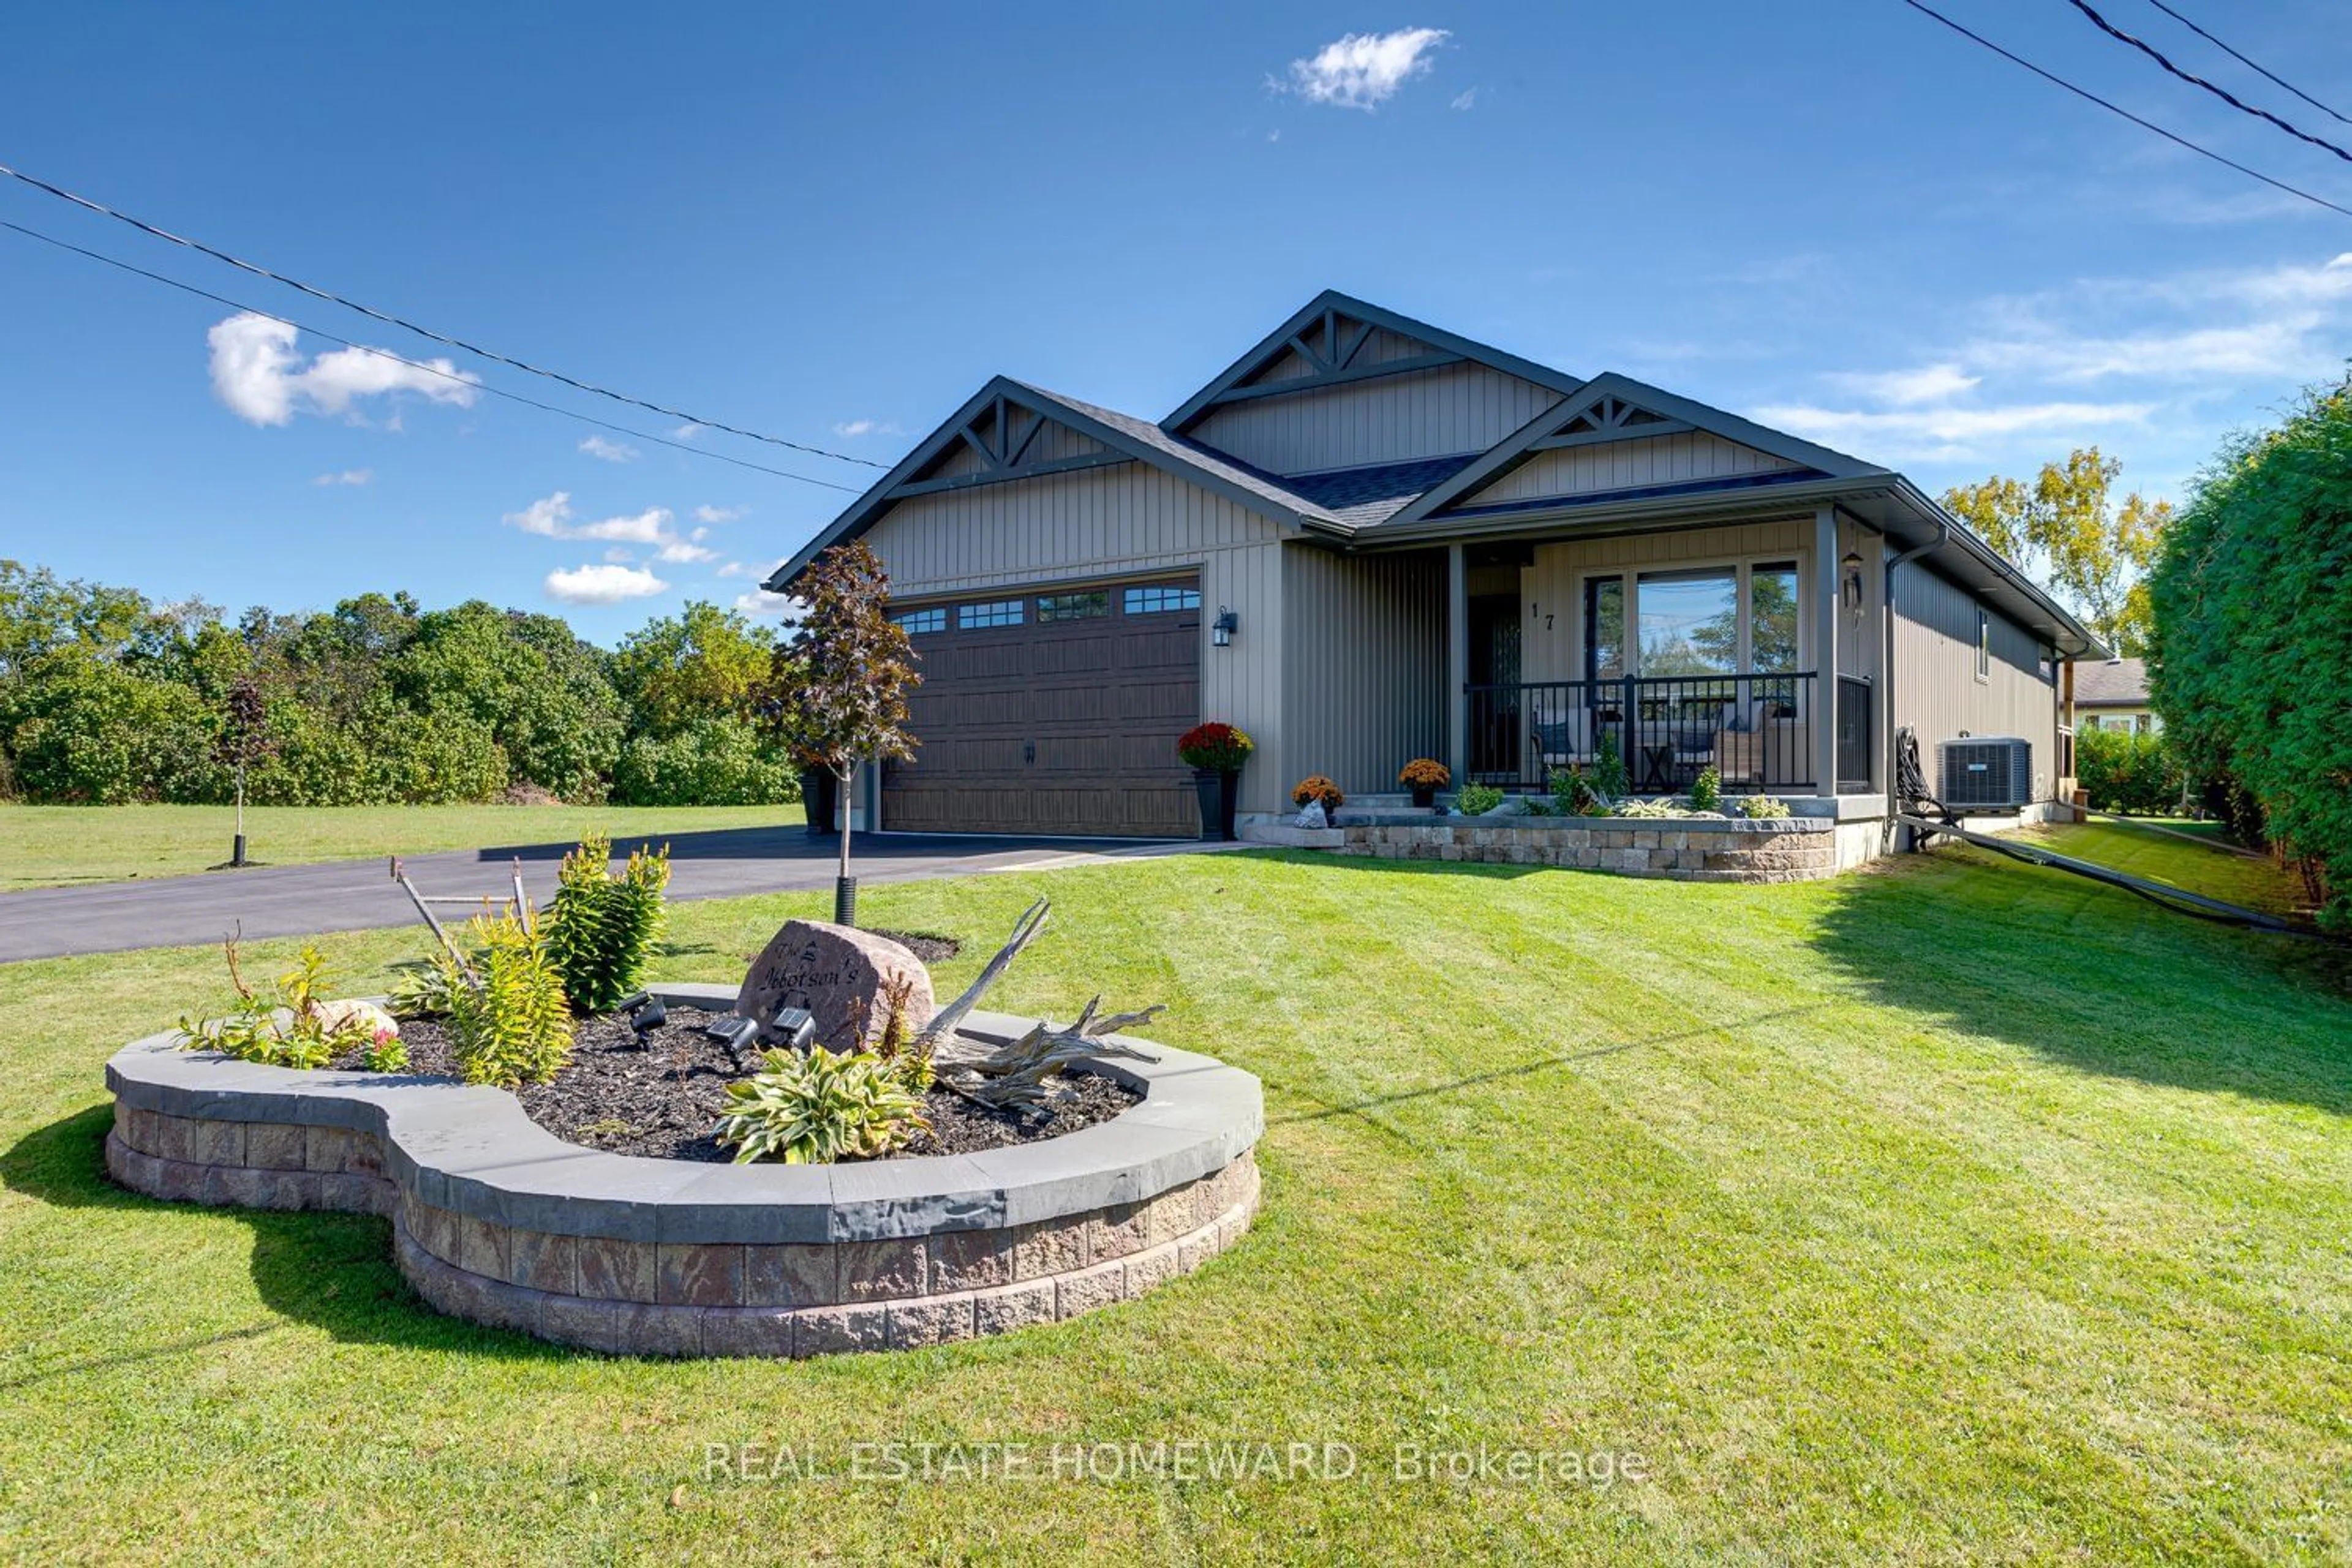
1786, 849
497, 1221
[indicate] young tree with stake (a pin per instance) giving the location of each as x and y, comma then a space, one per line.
245, 739
837, 689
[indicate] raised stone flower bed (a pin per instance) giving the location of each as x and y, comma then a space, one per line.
497, 1220
1683, 848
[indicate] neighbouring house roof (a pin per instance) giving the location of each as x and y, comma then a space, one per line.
2111, 683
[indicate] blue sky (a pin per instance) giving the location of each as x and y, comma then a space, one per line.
831, 223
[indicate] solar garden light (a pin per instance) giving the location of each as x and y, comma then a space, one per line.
796, 1027
646, 1015
736, 1033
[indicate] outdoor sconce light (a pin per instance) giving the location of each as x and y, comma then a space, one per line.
1221, 629
1851, 590
796, 1027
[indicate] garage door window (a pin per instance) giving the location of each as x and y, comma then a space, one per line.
916, 622
1073, 606
1151, 600
1002, 612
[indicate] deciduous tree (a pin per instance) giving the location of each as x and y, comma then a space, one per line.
2064, 529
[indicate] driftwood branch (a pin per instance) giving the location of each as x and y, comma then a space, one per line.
941, 1030
1021, 1074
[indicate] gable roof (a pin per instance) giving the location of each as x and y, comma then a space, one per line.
1125, 436
1322, 313
2111, 683
1647, 412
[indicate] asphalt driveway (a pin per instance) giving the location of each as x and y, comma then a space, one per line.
349, 895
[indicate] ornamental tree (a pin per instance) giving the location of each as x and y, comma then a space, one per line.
839, 686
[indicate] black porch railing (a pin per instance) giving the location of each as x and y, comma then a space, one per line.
1755, 730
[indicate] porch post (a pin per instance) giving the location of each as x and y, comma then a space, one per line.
1457, 663
1825, 660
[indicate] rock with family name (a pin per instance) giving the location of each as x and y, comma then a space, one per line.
840, 975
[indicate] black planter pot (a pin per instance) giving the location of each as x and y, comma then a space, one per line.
1425, 795
821, 799
1219, 791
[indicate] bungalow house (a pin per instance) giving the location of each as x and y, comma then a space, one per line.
1370, 539
2112, 695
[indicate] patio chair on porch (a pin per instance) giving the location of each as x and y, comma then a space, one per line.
1739, 744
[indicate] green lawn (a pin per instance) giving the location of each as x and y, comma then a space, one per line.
2215, 871
1949, 1212
57, 845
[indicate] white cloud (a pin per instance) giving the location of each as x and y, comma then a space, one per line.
1466, 99
546, 516
752, 568
1949, 433
680, 551
718, 513
762, 605
686, 433
347, 476
1364, 70
610, 451
1929, 383
550, 518
607, 584
854, 428
619, 552
258, 371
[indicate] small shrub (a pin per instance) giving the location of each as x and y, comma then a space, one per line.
602, 929
385, 1053
820, 1107
1424, 772
1609, 768
254, 1032
1572, 795
1217, 748
1538, 805
1764, 807
1315, 786
510, 1024
1476, 799
1706, 790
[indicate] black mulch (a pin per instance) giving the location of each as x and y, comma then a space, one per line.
662, 1098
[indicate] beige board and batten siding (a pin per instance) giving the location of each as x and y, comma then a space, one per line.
1453, 409
1936, 689
1686, 457
1128, 519
1364, 691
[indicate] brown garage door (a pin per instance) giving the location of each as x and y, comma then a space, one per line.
1052, 709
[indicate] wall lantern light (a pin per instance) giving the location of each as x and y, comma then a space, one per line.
1221, 629
1851, 590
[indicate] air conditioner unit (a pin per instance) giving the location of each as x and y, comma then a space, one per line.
1985, 774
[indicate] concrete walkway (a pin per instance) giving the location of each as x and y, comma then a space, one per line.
349, 895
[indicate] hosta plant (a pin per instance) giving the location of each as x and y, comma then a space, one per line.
509, 1021
602, 929
819, 1108
1764, 807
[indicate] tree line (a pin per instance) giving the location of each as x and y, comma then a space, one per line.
107, 697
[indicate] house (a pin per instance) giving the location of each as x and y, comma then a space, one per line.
1368, 539
2112, 695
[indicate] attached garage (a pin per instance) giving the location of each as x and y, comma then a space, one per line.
1052, 709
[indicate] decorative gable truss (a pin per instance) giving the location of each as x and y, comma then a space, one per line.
1619, 437
1330, 350
1005, 439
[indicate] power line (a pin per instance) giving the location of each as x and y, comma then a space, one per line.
2223, 93
419, 365
2248, 63
2083, 92
334, 298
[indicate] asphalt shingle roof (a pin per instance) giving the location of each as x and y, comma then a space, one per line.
1189, 453
2117, 682
1367, 496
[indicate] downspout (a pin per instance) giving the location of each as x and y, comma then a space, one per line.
1887, 663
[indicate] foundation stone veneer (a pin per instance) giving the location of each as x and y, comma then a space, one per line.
497, 1220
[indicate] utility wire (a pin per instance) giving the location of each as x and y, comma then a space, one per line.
2083, 92
259, 271
419, 365
2248, 63
2223, 93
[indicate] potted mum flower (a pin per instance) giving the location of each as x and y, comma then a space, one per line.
1215, 753
1315, 787
1425, 776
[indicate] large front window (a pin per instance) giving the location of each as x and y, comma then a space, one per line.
1735, 619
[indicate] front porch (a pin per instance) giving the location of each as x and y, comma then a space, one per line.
1751, 648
